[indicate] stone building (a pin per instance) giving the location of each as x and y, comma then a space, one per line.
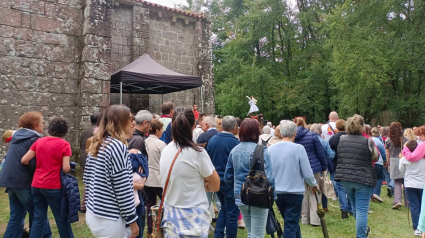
56, 57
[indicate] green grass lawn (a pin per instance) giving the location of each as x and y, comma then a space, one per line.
384, 221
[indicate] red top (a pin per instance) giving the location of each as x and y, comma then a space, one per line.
49, 152
196, 114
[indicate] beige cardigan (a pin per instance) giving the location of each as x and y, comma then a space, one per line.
154, 147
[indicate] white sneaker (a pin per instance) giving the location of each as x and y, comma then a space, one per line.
417, 233
369, 211
334, 199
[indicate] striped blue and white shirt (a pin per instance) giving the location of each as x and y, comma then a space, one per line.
109, 182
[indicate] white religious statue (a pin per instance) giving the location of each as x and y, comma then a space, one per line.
253, 107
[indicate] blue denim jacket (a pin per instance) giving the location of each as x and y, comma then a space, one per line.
239, 164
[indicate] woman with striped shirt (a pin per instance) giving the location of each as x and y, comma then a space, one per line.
108, 177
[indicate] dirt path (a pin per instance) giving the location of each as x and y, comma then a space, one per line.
3, 227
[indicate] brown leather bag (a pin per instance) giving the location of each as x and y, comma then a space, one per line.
158, 231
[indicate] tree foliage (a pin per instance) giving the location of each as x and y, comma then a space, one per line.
361, 56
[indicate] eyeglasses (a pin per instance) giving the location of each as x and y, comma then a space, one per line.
150, 123
132, 118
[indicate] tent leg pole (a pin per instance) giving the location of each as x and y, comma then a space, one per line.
120, 92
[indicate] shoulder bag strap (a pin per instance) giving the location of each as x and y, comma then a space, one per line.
333, 131
255, 157
258, 155
158, 216
261, 157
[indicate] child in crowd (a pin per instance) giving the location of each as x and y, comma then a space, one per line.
414, 177
53, 154
7, 137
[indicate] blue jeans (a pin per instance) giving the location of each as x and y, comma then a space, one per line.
414, 196
255, 220
20, 202
390, 183
359, 195
344, 201
379, 169
229, 213
45, 198
334, 183
290, 208
140, 211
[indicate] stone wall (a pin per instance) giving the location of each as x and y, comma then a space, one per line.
56, 57
39, 61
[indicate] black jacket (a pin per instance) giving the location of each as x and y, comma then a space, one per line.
137, 141
355, 162
206, 136
14, 174
333, 142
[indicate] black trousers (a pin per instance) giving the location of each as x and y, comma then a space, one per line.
151, 194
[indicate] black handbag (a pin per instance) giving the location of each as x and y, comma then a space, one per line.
256, 191
273, 224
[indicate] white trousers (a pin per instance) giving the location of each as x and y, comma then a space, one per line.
105, 228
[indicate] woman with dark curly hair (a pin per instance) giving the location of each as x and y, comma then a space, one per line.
53, 154
393, 146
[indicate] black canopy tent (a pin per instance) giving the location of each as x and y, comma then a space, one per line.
145, 76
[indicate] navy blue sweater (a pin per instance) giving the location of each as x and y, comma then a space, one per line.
219, 147
313, 147
206, 136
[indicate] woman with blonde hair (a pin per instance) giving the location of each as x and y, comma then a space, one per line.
276, 138
355, 170
111, 206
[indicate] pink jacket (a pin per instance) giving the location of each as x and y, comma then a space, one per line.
416, 155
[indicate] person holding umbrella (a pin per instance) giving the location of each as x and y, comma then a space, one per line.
291, 168
355, 170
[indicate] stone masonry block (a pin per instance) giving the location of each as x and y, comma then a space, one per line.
26, 20
31, 83
5, 3
98, 12
61, 85
63, 100
7, 46
87, 111
96, 70
55, 25
106, 87
10, 17
92, 86
104, 44
65, 70
34, 6
7, 31
23, 34
97, 27
89, 99
34, 98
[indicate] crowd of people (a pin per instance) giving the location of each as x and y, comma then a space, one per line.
191, 162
